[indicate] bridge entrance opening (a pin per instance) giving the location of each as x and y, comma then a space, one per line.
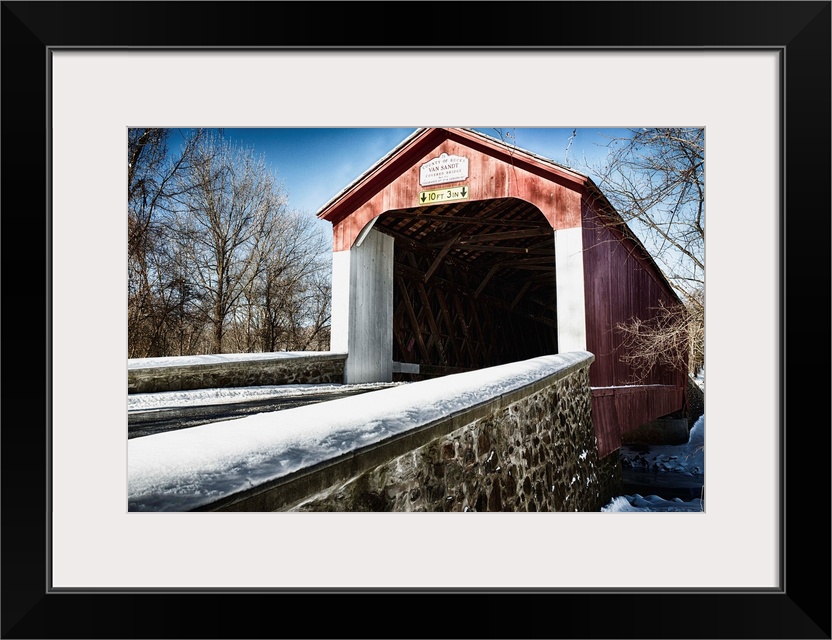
473, 286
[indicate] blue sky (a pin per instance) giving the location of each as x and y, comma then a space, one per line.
314, 164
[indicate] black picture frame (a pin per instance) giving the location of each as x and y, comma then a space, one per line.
800, 31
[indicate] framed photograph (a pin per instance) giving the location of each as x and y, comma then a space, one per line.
76, 563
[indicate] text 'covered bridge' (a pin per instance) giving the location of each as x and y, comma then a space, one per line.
457, 251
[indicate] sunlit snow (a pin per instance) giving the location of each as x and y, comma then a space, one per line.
181, 470
230, 395
638, 502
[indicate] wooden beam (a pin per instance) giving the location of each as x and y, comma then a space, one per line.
543, 277
409, 246
423, 294
518, 250
437, 370
411, 259
511, 235
544, 260
448, 246
505, 235
416, 277
529, 267
542, 265
467, 340
485, 347
462, 220
520, 295
431, 341
398, 330
449, 324
485, 280
417, 332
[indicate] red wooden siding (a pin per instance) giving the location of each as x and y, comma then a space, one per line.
619, 284
617, 410
502, 175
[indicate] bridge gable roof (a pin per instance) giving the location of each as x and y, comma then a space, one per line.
400, 163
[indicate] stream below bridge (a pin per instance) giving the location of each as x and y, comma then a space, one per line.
664, 484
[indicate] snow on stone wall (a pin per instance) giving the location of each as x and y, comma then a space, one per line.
537, 454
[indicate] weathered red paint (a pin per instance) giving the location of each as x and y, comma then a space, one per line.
617, 410
494, 171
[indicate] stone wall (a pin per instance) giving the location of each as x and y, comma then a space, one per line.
536, 454
301, 369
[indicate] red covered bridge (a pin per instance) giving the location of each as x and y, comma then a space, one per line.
457, 251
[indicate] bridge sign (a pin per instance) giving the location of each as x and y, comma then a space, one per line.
445, 168
444, 195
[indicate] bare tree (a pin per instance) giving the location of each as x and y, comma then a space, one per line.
216, 260
280, 309
674, 335
227, 226
317, 331
152, 168
655, 180
290, 289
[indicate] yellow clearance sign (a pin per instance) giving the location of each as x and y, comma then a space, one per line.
444, 195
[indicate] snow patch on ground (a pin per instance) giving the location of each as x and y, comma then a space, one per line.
201, 397
637, 502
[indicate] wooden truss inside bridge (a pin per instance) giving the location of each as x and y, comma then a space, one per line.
474, 284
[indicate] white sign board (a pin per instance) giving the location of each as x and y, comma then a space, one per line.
445, 168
